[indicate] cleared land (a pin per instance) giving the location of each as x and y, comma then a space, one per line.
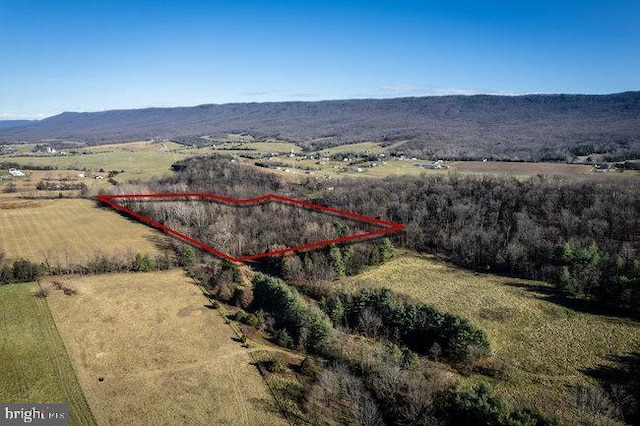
137, 164
356, 148
34, 366
532, 169
546, 347
69, 231
164, 358
145, 160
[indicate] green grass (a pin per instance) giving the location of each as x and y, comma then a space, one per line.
143, 165
34, 366
546, 347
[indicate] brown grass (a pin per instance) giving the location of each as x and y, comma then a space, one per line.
163, 357
128, 146
521, 169
546, 347
69, 231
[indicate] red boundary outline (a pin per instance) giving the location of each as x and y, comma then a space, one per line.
389, 227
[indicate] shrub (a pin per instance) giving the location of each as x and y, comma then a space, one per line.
254, 321
6, 274
276, 366
141, 263
41, 292
242, 297
24, 271
240, 316
10, 187
186, 256
283, 339
309, 367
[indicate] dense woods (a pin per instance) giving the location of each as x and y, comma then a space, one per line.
241, 230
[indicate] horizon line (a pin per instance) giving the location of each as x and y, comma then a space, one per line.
40, 117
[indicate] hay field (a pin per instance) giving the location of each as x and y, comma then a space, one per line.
164, 358
34, 366
521, 169
546, 347
134, 146
141, 164
264, 147
67, 231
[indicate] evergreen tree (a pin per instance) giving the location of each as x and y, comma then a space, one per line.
336, 261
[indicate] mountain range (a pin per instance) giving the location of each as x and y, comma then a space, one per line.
528, 127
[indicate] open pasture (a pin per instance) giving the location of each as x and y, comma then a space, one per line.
69, 231
148, 351
139, 146
137, 165
546, 348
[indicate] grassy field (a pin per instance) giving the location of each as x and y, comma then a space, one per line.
147, 351
264, 147
136, 165
34, 366
68, 231
140, 146
546, 347
143, 160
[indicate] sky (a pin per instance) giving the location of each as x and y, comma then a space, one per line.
95, 55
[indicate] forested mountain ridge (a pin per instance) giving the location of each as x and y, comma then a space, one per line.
529, 128
7, 124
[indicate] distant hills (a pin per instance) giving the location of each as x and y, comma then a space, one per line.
530, 127
5, 124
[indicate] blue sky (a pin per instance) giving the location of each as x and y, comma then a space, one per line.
94, 55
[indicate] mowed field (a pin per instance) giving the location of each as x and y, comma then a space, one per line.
69, 231
137, 165
34, 366
147, 352
547, 348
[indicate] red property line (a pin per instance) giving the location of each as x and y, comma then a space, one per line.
389, 227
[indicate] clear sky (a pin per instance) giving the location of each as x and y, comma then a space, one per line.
88, 55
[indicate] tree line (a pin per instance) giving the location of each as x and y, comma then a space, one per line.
23, 270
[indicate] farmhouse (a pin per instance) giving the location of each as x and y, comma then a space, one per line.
16, 172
